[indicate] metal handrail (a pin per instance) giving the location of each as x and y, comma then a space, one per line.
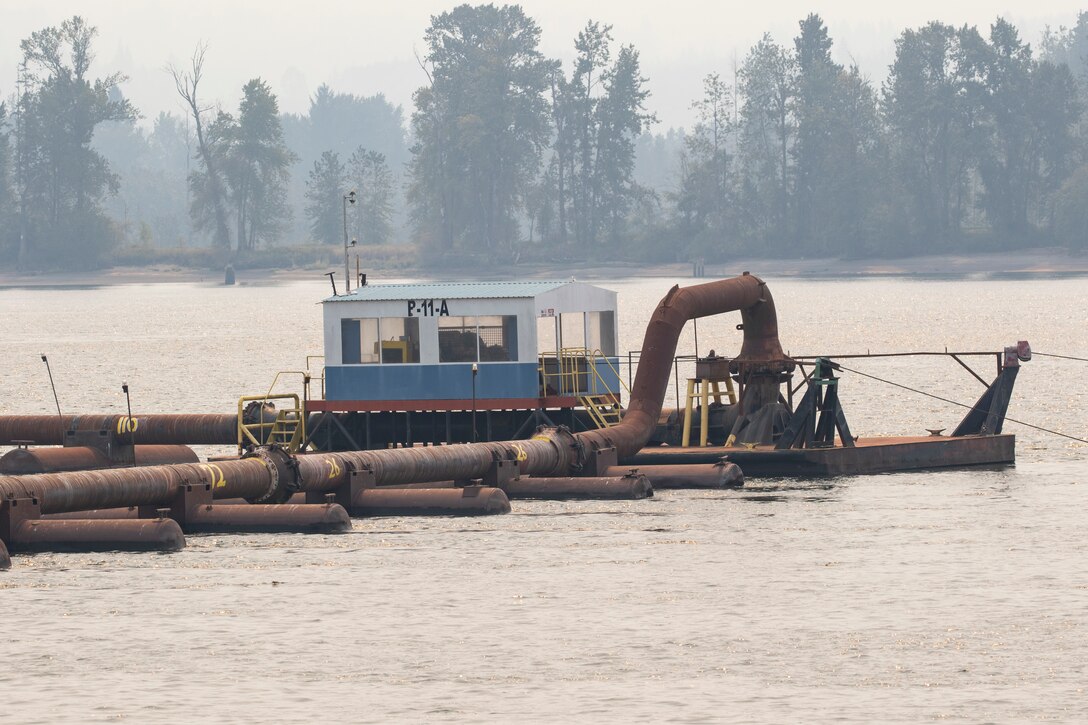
574, 363
246, 430
310, 377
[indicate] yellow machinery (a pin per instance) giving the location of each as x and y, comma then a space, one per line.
710, 372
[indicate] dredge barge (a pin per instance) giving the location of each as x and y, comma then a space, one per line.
444, 397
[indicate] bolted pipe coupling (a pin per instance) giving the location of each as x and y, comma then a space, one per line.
569, 449
284, 480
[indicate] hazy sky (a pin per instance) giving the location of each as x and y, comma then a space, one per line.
367, 47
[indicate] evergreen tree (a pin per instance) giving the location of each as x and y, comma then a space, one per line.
373, 181
324, 196
928, 109
835, 153
258, 167
8, 241
704, 202
1029, 112
479, 126
768, 131
342, 122
599, 113
62, 180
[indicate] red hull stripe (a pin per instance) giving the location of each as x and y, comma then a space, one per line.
381, 406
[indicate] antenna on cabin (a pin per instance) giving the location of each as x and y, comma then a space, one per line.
330, 275
51, 385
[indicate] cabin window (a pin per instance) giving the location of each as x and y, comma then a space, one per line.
546, 335
349, 342
572, 331
457, 339
370, 341
601, 332
399, 339
367, 353
498, 338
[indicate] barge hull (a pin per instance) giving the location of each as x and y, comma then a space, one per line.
867, 456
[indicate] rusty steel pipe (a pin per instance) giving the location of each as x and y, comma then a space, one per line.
25, 461
261, 477
748, 294
624, 486
692, 475
148, 486
551, 452
158, 429
97, 535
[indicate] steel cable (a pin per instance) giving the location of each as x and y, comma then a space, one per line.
956, 402
1063, 357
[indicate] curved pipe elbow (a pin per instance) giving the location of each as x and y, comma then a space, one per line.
746, 293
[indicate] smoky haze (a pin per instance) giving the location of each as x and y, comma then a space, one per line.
368, 48
544, 133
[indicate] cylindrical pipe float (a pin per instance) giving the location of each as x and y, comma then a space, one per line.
97, 535
27, 461
624, 486
468, 501
701, 475
298, 518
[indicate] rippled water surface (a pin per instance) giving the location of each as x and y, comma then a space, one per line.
919, 596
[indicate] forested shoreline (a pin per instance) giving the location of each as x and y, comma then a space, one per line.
974, 142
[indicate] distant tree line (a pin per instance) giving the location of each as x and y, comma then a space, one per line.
974, 141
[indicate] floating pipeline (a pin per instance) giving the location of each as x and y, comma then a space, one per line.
269, 475
26, 461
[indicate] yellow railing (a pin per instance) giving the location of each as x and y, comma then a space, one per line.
574, 371
594, 358
309, 378
287, 429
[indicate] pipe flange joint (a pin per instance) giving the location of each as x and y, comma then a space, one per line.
283, 469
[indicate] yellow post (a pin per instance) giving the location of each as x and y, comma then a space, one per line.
686, 441
704, 419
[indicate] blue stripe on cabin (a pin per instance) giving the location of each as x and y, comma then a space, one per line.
447, 381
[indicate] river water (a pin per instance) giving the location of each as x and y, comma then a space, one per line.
955, 595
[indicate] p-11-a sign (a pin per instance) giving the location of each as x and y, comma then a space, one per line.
428, 308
